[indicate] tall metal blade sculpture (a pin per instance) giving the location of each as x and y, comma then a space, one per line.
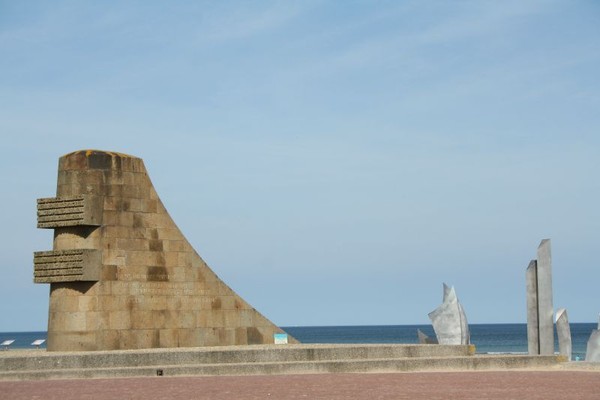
449, 320
563, 331
593, 346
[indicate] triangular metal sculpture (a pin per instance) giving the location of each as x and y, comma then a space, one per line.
424, 339
592, 352
449, 320
563, 331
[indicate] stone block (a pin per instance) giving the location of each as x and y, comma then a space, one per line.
148, 205
175, 246
177, 274
255, 336
122, 288
108, 338
69, 321
114, 190
168, 234
186, 319
132, 244
247, 318
231, 318
172, 259
227, 302
210, 318
125, 218
241, 336
214, 336
152, 303
119, 320
135, 191
140, 338
168, 338
109, 273
96, 320
146, 319
117, 303
113, 257
75, 341
104, 288
64, 303
111, 218
190, 337
87, 303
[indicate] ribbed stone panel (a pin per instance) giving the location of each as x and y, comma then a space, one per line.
67, 266
58, 212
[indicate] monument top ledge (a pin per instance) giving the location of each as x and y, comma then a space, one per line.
100, 159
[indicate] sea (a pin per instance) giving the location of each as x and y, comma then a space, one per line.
487, 338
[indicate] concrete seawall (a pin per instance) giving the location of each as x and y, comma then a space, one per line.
258, 360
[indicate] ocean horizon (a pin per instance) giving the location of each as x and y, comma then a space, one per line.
487, 338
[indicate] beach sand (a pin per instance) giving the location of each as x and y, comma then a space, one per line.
565, 383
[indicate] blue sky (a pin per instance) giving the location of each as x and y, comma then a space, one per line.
333, 162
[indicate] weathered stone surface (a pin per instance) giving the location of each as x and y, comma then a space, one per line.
146, 287
449, 320
563, 330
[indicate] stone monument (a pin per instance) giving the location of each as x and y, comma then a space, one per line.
122, 275
449, 320
540, 310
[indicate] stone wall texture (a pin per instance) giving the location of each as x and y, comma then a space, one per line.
122, 275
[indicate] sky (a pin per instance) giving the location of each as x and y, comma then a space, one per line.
333, 162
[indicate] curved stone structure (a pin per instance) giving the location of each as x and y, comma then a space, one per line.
122, 275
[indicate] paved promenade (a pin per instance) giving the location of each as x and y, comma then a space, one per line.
526, 385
